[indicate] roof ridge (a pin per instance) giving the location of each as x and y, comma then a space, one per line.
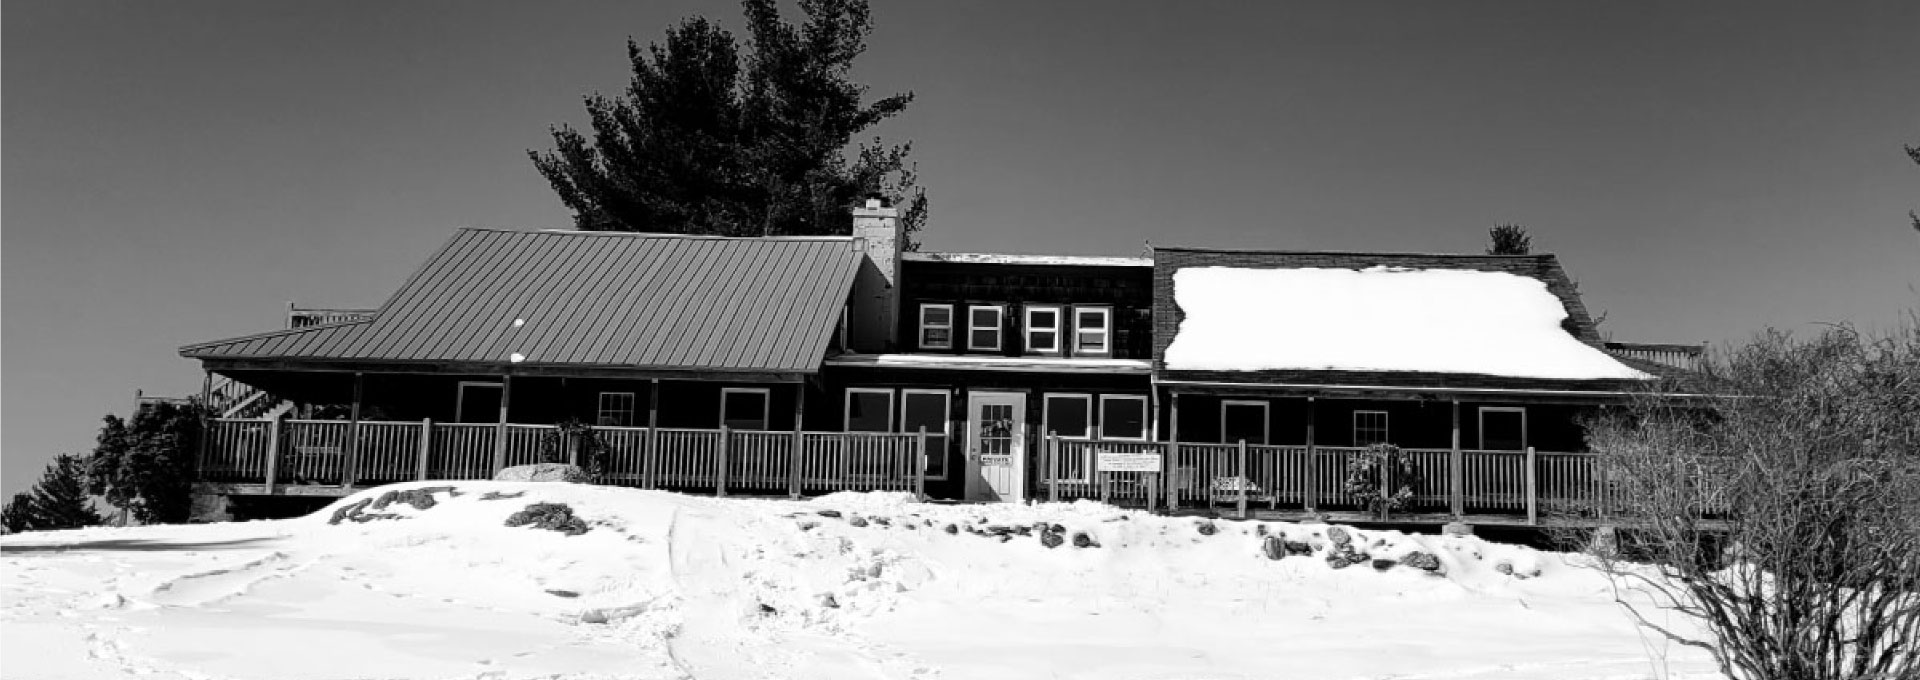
657, 234
277, 333
1385, 253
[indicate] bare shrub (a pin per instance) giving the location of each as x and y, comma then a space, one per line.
1776, 499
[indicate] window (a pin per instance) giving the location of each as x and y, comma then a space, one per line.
477, 402
1503, 428
1068, 415
1123, 416
1369, 427
1092, 326
928, 409
869, 409
1043, 329
616, 409
1243, 420
936, 326
744, 408
983, 326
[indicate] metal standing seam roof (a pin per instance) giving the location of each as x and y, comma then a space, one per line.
650, 301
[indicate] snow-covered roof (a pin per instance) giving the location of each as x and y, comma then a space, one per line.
1379, 319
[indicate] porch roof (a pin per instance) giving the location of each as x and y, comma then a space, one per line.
564, 299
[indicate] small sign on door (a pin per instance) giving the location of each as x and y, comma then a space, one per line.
1110, 461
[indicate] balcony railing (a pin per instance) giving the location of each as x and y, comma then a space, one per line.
279, 452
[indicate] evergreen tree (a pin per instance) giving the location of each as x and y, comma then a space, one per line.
1913, 152
17, 516
707, 140
1509, 239
146, 467
60, 500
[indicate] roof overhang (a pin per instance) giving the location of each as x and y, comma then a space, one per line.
236, 364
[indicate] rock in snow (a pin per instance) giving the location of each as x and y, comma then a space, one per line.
542, 472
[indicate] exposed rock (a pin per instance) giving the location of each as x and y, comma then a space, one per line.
1208, 529
550, 516
1082, 540
498, 496
1057, 529
827, 600
857, 521
951, 529
345, 512
1383, 564
1456, 529
1023, 530
1274, 547
999, 530
1422, 561
809, 526
420, 499
542, 472
1298, 548
829, 513
1051, 540
561, 593
1341, 539
1259, 529
1503, 567
1341, 559
882, 521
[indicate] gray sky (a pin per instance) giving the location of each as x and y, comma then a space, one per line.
176, 172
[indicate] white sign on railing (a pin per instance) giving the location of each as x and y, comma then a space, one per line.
1111, 461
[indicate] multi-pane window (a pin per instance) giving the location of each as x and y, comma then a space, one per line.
869, 409
1043, 329
983, 326
744, 408
615, 409
1369, 427
1243, 420
1503, 428
1123, 416
927, 409
936, 326
1092, 330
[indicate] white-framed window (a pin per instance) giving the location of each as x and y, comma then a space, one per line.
1092, 330
477, 402
745, 408
1370, 427
1503, 428
1243, 419
929, 409
868, 409
1071, 417
615, 409
936, 326
983, 326
1043, 329
1123, 416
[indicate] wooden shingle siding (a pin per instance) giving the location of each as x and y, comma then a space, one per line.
1128, 290
593, 299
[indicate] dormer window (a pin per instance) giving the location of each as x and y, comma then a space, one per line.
1092, 330
983, 327
1043, 329
936, 326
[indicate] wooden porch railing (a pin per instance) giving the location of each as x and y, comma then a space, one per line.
278, 452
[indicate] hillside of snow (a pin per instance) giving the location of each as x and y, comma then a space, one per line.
433, 583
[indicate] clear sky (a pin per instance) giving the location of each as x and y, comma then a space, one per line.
178, 171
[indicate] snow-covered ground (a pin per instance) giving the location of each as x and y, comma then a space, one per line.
670, 586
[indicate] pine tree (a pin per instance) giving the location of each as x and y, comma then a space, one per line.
60, 500
1509, 239
707, 140
17, 516
146, 466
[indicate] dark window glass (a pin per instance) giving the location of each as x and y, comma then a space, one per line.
1503, 430
1123, 418
1067, 416
744, 410
1370, 427
1243, 421
869, 411
928, 410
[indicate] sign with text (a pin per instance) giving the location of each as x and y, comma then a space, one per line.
1110, 461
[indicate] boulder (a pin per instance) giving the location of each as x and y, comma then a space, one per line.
1383, 565
1456, 529
829, 513
951, 529
1082, 540
550, 516
1422, 560
1051, 540
857, 521
1274, 547
1341, 539
1208, 529
1298, 548
542, 472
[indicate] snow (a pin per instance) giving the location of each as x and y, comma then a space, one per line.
670, 586
1379, 319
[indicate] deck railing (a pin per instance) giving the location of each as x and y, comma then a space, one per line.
277, 452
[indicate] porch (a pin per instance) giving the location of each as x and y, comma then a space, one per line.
338, 457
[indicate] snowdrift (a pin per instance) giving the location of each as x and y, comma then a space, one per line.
428, 580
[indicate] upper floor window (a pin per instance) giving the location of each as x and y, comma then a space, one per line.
1092, 330
983, 326
936, 326
1369, 427
616, 409
1043, 329
744, 408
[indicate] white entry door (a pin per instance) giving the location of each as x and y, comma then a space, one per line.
996, 446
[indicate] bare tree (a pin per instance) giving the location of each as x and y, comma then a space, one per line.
1776, 500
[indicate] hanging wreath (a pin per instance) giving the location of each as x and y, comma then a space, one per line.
1382, 477
590, 452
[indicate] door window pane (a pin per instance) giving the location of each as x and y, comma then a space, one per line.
1243, 420
1123, 417
869, 410
928, 410
996, 429
743, 409
1503, 429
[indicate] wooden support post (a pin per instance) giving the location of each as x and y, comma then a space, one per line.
426, 448
1533, 490
1242, 481
500, 427
647, 458
1053, 466
920, 466
1457, 470
204, 411
1094, 473
273, 451
797, 457
1307, 494
1172, 462
720, 471
350, 468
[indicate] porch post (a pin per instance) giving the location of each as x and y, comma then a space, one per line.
1533, 490
797, 455
1307, 494
1241, 480
920, 468
500, 426
652, 443
720, 473
205, 410
1052, 452
1172, 463
426, 446
1094, 473
1458, 469
351, 467
273, 450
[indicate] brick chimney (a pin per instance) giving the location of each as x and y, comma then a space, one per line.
874, 324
